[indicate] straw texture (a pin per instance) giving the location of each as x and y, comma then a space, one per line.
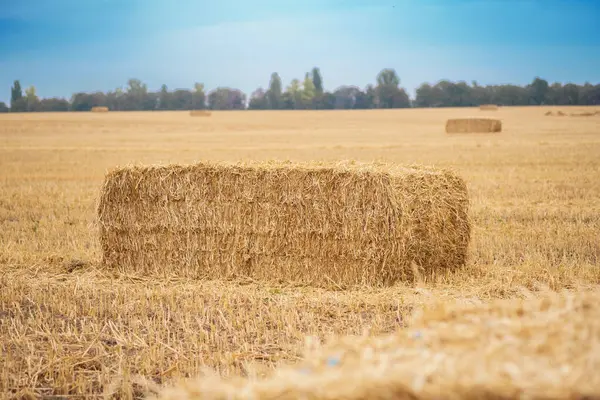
473, 125
319, 224
544, 348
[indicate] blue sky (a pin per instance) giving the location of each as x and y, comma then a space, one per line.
63, 46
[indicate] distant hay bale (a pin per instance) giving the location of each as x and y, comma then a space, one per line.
318, 224
541, 348
200, 113
560, 113
473, 125
584, 114
549, 113
99, 109
488, 107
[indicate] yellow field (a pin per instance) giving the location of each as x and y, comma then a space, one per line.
67, 327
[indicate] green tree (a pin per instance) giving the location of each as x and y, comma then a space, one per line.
3, 107
198, 97
389, 94
292, 97
16, 93
258, 100
274, 94
317, 81
17, 102
308, 92
32, 99
538, 91
163, 98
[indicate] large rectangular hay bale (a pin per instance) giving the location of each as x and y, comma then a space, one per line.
488, 107
308, 223
473, 125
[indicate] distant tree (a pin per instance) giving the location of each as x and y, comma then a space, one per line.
258, 100
226, 99
389, 94
274, 93
538, 91
346, 97
53, 105
3, 107
33, 102
163, 98
198, 97
181, 99
308, 93
292, 97
16, 93
317, 81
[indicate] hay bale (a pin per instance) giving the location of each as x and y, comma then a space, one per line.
583, 114
560, 113
99, 109
473, 125
319, 224
200, 113
549, 113
488, 107
543, 348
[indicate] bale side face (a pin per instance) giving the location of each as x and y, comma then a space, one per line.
316, 225
473, 125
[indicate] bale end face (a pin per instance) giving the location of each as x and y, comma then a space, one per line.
318, 224
473, 125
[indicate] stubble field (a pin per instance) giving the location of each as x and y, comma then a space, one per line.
68, 327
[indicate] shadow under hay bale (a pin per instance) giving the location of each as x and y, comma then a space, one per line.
488, 107
319, 224
511, 349
99, 109
473, 125
200, 113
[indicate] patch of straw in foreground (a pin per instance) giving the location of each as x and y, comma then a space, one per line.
547, 347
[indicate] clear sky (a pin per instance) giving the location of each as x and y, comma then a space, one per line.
63, 46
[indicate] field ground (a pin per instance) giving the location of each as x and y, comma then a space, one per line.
69, 328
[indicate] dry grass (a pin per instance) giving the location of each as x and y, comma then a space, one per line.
308, 223
99, 109
67, 326
200, 113
539, 348
473, 125
488, 107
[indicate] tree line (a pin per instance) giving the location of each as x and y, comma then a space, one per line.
309, 94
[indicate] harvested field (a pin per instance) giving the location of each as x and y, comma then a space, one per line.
488, 107
71, 327
538, 348
308, 223
473, 125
